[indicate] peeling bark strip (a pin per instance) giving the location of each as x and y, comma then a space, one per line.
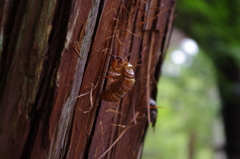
53, 51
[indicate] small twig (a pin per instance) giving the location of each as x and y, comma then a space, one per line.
83, 94
118, 39
120, 136
123, 126
74, 48
110, 9
148, 20
134, 117
91, 100
87, 92
148, 85
130, 32
115, 111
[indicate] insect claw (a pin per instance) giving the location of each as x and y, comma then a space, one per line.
106, 77
113, 56
114, 62
118, 58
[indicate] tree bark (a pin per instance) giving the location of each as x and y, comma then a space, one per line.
53, 51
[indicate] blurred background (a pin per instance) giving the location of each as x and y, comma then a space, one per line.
199, 89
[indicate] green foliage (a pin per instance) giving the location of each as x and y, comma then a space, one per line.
213, 24
190, 103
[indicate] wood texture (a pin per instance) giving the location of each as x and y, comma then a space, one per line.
53, 51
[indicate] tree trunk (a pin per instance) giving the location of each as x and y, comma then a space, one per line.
53, 51
229, 86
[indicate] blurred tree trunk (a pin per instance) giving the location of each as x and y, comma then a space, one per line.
191, 145
53, 51
229, 86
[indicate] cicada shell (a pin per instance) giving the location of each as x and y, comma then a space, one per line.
123, 80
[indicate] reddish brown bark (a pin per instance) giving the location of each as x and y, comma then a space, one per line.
53, 51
